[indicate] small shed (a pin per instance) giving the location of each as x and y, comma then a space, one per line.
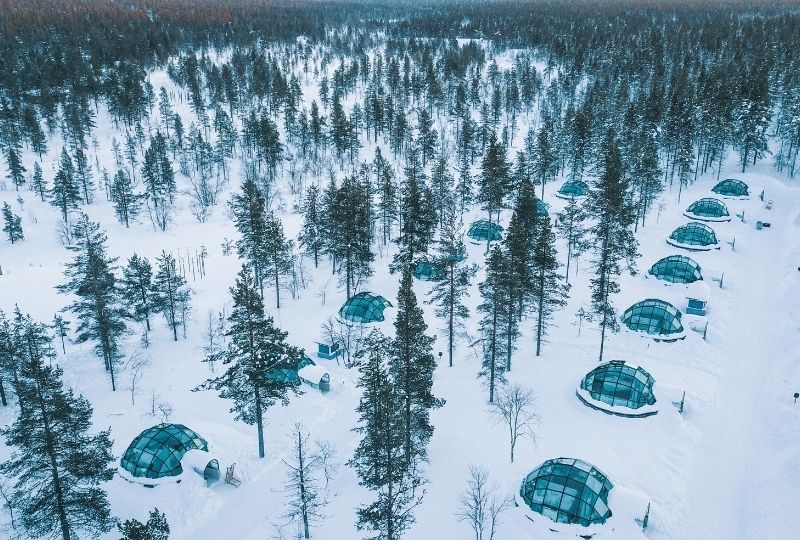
328, 351
697, 299
316, 377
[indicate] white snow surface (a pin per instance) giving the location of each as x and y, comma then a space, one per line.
727, 468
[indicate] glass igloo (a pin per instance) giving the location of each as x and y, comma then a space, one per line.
694, 237
427, 271
676, 269
730, 188
657, 318
708, 209
542, 207
364, 307
482, 231
573, 189
620, 389
157, 452
568, 491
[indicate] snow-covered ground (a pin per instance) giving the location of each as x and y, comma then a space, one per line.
724, 469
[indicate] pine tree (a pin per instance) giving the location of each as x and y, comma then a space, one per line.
448, 293
159, 180
170, 292
156, 527
379, 459
16, 171
38, 184
277, 254
311, 235
125, 200
548, 292
612, 235
61, 327
249, 216
65, 193
418, 216
573, 231
12, 225
495, 300
256, 349
412, 370
83, 172
493, 184
349, 224
98, 306
137, 288
11, 351
57, 464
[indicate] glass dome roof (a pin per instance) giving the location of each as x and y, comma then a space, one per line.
426, 271
677, 269
619, 384
655, 317
542, 207
568, 491
708, 209
364, 307
694, 236
573, 189
730, 187
483, 230
157, 451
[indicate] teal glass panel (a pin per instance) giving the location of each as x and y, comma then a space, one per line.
653, 316
483, 230
730, 187
157, 451
619, 384
694, 234
708, 208
364, 307
568, 491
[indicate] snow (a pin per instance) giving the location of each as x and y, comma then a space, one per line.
726, 468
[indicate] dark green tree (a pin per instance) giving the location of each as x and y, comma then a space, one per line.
65, 193
412, 368
155, 528
137, 288
98, 306
612, 234
58, 466
12, 225
256, 351
170, 293
548, 292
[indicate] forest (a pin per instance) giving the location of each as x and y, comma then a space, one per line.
191, 189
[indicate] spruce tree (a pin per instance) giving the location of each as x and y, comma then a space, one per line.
412, 368
38, 183
612, 235
170, 292
449, 291
311, 235
16, 171
572, 229
65, 193
124, 198
156, 527
350, 232
58, 466
256, 351
249, 216
137, 288
379, 459
518, 251
418, 216
97, 306
494, 182
11, 352
548, 292
61, 327
277, 254
12, 225
494, 310
159, 181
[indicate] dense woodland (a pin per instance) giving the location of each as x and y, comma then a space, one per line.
381, 124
